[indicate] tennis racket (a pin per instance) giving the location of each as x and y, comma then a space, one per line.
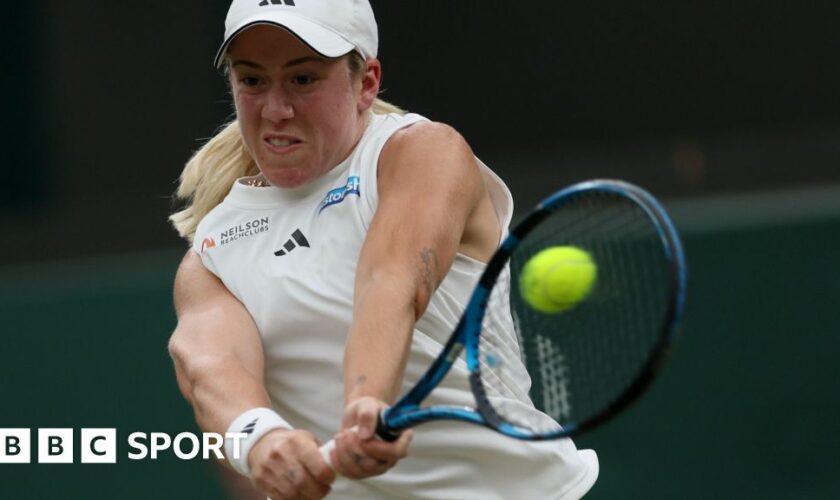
587, 363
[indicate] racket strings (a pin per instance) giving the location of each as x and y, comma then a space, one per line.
502, 351
631, 314
582, 359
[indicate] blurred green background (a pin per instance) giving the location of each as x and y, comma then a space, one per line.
745, 409
726, 112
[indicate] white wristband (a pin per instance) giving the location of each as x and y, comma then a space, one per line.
244, 433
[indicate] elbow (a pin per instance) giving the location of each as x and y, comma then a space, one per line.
427, 280
177, 350
421, 302
196, 367
179, 354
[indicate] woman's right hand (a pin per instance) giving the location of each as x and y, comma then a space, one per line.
286, 464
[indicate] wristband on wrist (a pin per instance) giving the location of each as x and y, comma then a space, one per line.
245, 431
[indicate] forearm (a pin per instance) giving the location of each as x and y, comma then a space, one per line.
379, 339
219, 388
407, 252
216, 349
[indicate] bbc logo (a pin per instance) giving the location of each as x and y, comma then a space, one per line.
56, 446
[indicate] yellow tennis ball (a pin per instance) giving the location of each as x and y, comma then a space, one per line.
557, 278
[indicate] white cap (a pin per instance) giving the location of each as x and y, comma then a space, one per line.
331, 27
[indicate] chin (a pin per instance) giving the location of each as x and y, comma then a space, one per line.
287, 178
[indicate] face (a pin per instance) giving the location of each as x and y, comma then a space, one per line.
301, 114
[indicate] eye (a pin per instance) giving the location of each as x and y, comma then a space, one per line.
303, 80
249, 81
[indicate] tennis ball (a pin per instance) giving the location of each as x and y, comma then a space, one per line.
557, 278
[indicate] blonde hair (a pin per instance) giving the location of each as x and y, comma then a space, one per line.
209, 174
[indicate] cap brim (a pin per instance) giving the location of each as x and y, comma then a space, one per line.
322, 40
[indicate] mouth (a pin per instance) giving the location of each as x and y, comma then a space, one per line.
281, 144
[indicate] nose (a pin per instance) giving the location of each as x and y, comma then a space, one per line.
277, 107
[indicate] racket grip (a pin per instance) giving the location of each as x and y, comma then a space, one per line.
325, 450
384, 432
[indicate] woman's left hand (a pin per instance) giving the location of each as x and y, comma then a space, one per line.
358, 452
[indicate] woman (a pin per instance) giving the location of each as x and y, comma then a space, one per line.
335, 243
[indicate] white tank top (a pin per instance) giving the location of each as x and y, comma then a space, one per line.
289, 255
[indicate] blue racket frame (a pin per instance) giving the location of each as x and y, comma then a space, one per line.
407, 412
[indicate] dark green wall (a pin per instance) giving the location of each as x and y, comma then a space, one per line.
86, 347
746, 409
748, 406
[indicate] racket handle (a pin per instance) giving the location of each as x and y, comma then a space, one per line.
325, 450
384, 433
328, 447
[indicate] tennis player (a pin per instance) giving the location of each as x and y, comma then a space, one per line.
335, 242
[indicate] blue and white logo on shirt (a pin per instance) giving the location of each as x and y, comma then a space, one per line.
338, 195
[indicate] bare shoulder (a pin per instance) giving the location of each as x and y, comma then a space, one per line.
426, 138
429, 130
428, 153
191, 262
193, 282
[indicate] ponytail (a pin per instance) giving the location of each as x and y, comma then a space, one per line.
208, 176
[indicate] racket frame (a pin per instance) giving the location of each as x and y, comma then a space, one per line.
407, 412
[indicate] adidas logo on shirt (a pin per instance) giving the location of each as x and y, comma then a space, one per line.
297, 239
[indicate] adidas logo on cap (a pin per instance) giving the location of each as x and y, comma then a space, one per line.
290, 3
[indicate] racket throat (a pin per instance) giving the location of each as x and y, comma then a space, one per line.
483, 405
386, 433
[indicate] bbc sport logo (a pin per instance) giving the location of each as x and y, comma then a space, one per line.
100, 446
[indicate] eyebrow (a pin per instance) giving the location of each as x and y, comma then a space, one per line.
292, 63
